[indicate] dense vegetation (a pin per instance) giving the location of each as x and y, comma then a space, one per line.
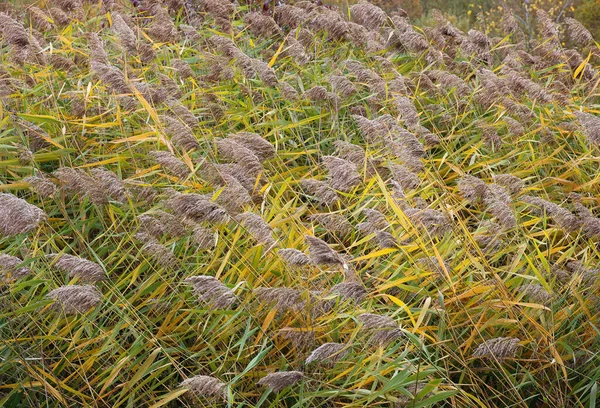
210, 203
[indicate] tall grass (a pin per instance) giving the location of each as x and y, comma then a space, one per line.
410, 221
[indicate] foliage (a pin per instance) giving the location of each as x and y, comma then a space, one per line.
286, 209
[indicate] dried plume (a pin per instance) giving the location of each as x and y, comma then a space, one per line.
162, 28
159, 224
110, 184
36, 136
288, 15
321, 253
281, 379
383, 329
402, 174
333, 223
589, 223
13, 31
171, 163
112, 76
183, 68
368, 15
125, 33
41, 184
181, 135
212, 292
498, 203
342, 174
76, 181
294, 257
156, 251
342, 86
434, 222
498, 348
197, 207
207, 387
87, 271
171, 89
512, 184
39, 19
17, 216
548, 27
537, 293
433, 264
328, 353
256, 143
350, 152
561, 216
264, 72
301, 339
204, 238
233, 196
321, 191
281, 298
260, 230
407, 110
62, 63
181, 112
59, 17
238, 153
350, 290
372, 131
330, 22
219, 9
591, 126
11, 268
261, 25
74, 299
578, 33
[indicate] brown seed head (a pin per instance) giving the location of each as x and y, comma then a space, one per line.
87, 271
74, 299
206, 386
328, 353
212, 292
281, 379
17, 216
498, 348
11, 269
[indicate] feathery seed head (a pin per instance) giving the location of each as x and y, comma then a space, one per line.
294, 257
87, 271
328, 353
17, 216
171, 163
301, 339
74, 299
258, 228
212, 292
498, 348
11, 269
281, 379
206, 386
321, 253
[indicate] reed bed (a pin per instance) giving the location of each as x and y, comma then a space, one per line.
206, 203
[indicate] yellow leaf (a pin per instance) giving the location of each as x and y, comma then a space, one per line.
266, 325
272, 62
146, 136
106, 161
375, 254
559, 360
403, 306
581, 67
169, 397
423, 313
